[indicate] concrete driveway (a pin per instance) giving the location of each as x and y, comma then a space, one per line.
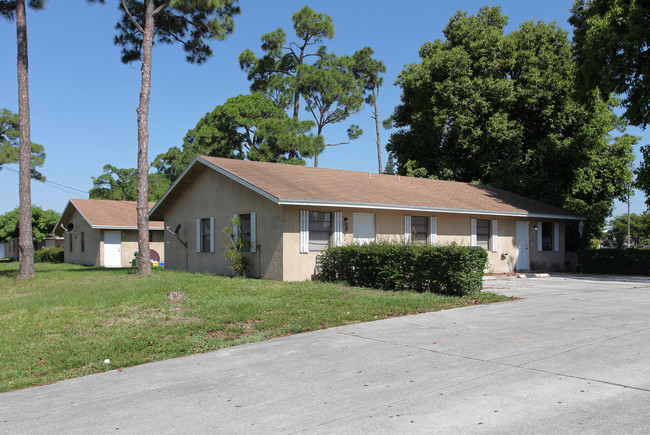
571, 356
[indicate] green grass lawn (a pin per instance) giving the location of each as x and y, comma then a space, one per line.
68, 319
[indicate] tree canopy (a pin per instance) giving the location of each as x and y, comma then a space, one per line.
502, 110
612, 47
245, 126
121, 184
369, 70
8, 7
304, 70
639, 230
9, 138
43, 222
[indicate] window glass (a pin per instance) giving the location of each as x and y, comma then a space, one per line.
547, 236
320, 230
245, 231
205, 235
483, 233
83, 243
419, 228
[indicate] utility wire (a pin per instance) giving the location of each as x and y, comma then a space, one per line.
58, 186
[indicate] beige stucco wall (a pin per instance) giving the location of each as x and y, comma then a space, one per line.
451, 228
91, 254
546, 261
210, 194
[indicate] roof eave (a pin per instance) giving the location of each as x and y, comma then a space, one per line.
427, 209
115, 227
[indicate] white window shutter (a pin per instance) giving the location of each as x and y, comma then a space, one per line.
198, 235
407, 229
304, 231
495, 235
212, 234
539, 236
253, 232
338, 229
433, 231
472, 237
556, 236
235, 228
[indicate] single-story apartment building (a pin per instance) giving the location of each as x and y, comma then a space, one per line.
101, 232
290, 214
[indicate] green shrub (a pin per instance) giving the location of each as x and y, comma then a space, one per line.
49, 255
615, 261
451, 270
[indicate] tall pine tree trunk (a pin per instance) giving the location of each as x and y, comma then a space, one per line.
376, 116
25, 243
144, 265
320, 130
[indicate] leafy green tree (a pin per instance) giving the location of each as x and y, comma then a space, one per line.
302, 69
42, 225
9, 146
332, 93
502, 110
11, 9
245, 126
188, 22
611, 46
642, 181
639, 230
369, 71
121, 184
277, 72
115, 183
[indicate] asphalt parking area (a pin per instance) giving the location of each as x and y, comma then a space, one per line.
572, 355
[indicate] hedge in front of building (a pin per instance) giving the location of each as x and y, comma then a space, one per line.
450, 270
49, 255
615, 261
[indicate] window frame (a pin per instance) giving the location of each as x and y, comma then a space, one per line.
426, 227
205, 239
246, 236
312, 231
488, 235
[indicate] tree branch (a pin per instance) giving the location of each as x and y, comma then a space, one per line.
133, 20
161, 7
336, 144
190, 22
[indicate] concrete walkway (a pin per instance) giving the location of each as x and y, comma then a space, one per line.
571, 356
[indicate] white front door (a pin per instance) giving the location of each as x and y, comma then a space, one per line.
523, 262
112, 249
364, 228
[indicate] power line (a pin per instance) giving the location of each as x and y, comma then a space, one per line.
58, 186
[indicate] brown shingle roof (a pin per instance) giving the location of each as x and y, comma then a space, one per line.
292, 184
102, 213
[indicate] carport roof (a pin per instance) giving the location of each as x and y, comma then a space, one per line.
287, 184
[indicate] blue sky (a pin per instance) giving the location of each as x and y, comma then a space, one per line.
83, 99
